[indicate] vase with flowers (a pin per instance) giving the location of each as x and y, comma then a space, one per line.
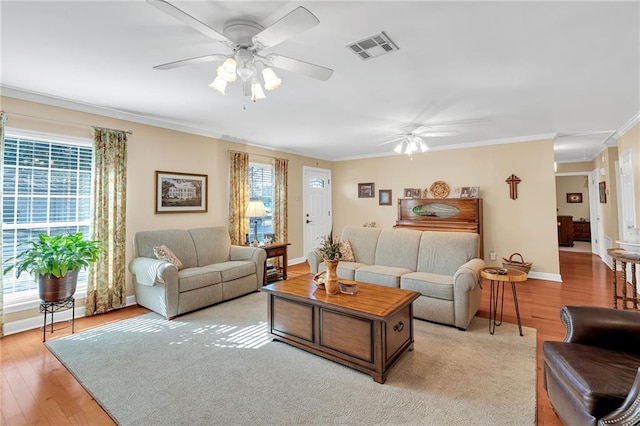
330, 251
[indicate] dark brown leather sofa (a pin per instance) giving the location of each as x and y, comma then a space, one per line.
593, 376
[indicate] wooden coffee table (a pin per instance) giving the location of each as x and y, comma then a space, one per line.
368, 331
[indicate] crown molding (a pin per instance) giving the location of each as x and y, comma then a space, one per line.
628, 125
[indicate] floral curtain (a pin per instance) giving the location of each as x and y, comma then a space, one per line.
106, 288
3, 120
280, 203
238, 196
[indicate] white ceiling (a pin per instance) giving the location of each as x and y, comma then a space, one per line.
491, 71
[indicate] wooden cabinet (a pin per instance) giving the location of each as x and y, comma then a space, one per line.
565, 231
442, 214
582, 231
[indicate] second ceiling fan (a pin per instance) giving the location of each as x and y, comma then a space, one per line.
246, 39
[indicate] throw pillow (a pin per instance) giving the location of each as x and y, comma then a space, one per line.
346, 252
164, 253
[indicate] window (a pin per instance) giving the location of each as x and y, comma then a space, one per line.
261, 188
46, 189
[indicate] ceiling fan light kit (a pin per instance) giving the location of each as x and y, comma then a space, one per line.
410, 145
247, 39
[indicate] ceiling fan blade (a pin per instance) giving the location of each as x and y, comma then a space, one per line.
420, 129
391, 141
191, 61
297, 66
295, 22
435, 134
180, 15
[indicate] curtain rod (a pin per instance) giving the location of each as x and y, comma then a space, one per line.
261, 155
9, 114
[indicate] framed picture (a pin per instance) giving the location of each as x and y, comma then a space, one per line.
602, 186
416, 193
574, 197
181, 192
408, 193
384, 197
456, 192
465, 192
366, 190
473, 193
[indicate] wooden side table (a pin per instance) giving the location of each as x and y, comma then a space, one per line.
624, 257
60, 305
276, 250
499, 280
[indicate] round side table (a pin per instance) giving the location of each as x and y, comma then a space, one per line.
499, 280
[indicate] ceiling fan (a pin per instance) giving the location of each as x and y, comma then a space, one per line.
247, 39
413, 141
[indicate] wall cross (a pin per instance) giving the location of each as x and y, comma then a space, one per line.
513, 181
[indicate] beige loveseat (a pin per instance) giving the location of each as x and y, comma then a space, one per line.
213, 269
443, 266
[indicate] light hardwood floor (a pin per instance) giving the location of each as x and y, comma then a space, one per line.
37, 389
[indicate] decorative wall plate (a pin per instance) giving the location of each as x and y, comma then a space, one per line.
439, 189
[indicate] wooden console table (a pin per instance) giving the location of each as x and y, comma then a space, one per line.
624, 257
280, 272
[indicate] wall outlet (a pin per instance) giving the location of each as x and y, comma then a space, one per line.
492, 255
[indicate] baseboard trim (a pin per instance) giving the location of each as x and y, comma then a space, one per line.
37, 321
545, 276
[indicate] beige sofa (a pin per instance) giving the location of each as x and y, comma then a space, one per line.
443, 266
213, 269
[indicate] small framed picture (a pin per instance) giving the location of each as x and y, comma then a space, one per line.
574, 197
416, 193
384, 197
602, 186
366, 190
180, 192
474, 192
408, 193
456, 192
465, 191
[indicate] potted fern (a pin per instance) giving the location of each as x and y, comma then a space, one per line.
55, 261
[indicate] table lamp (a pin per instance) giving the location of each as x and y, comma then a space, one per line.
255, 210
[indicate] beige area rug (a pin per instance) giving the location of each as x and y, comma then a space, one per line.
219, 366
578, 247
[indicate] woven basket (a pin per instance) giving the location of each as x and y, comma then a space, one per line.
520, 265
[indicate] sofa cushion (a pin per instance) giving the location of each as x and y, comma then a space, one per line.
398, 248
381, 275
164, 253
346, 252
444, 252
233, 269
193, 278
430, 285
598, 378
363, 242
179, 240
212, 244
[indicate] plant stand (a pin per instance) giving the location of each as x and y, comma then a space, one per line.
60, 305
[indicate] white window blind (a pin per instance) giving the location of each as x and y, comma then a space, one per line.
261, 188
46, 189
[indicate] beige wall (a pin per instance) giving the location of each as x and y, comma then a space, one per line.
572, 184
605, 162
526, 225
152, 148
583, 166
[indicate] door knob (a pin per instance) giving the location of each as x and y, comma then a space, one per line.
308, 221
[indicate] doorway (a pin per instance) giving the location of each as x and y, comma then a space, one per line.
577, 221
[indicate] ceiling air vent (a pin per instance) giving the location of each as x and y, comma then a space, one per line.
373, 46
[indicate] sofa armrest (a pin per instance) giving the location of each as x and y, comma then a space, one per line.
603, 327
255, 254
629, 411
149, 271
314, 260
468, 276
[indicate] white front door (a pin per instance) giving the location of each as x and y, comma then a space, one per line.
316, 206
